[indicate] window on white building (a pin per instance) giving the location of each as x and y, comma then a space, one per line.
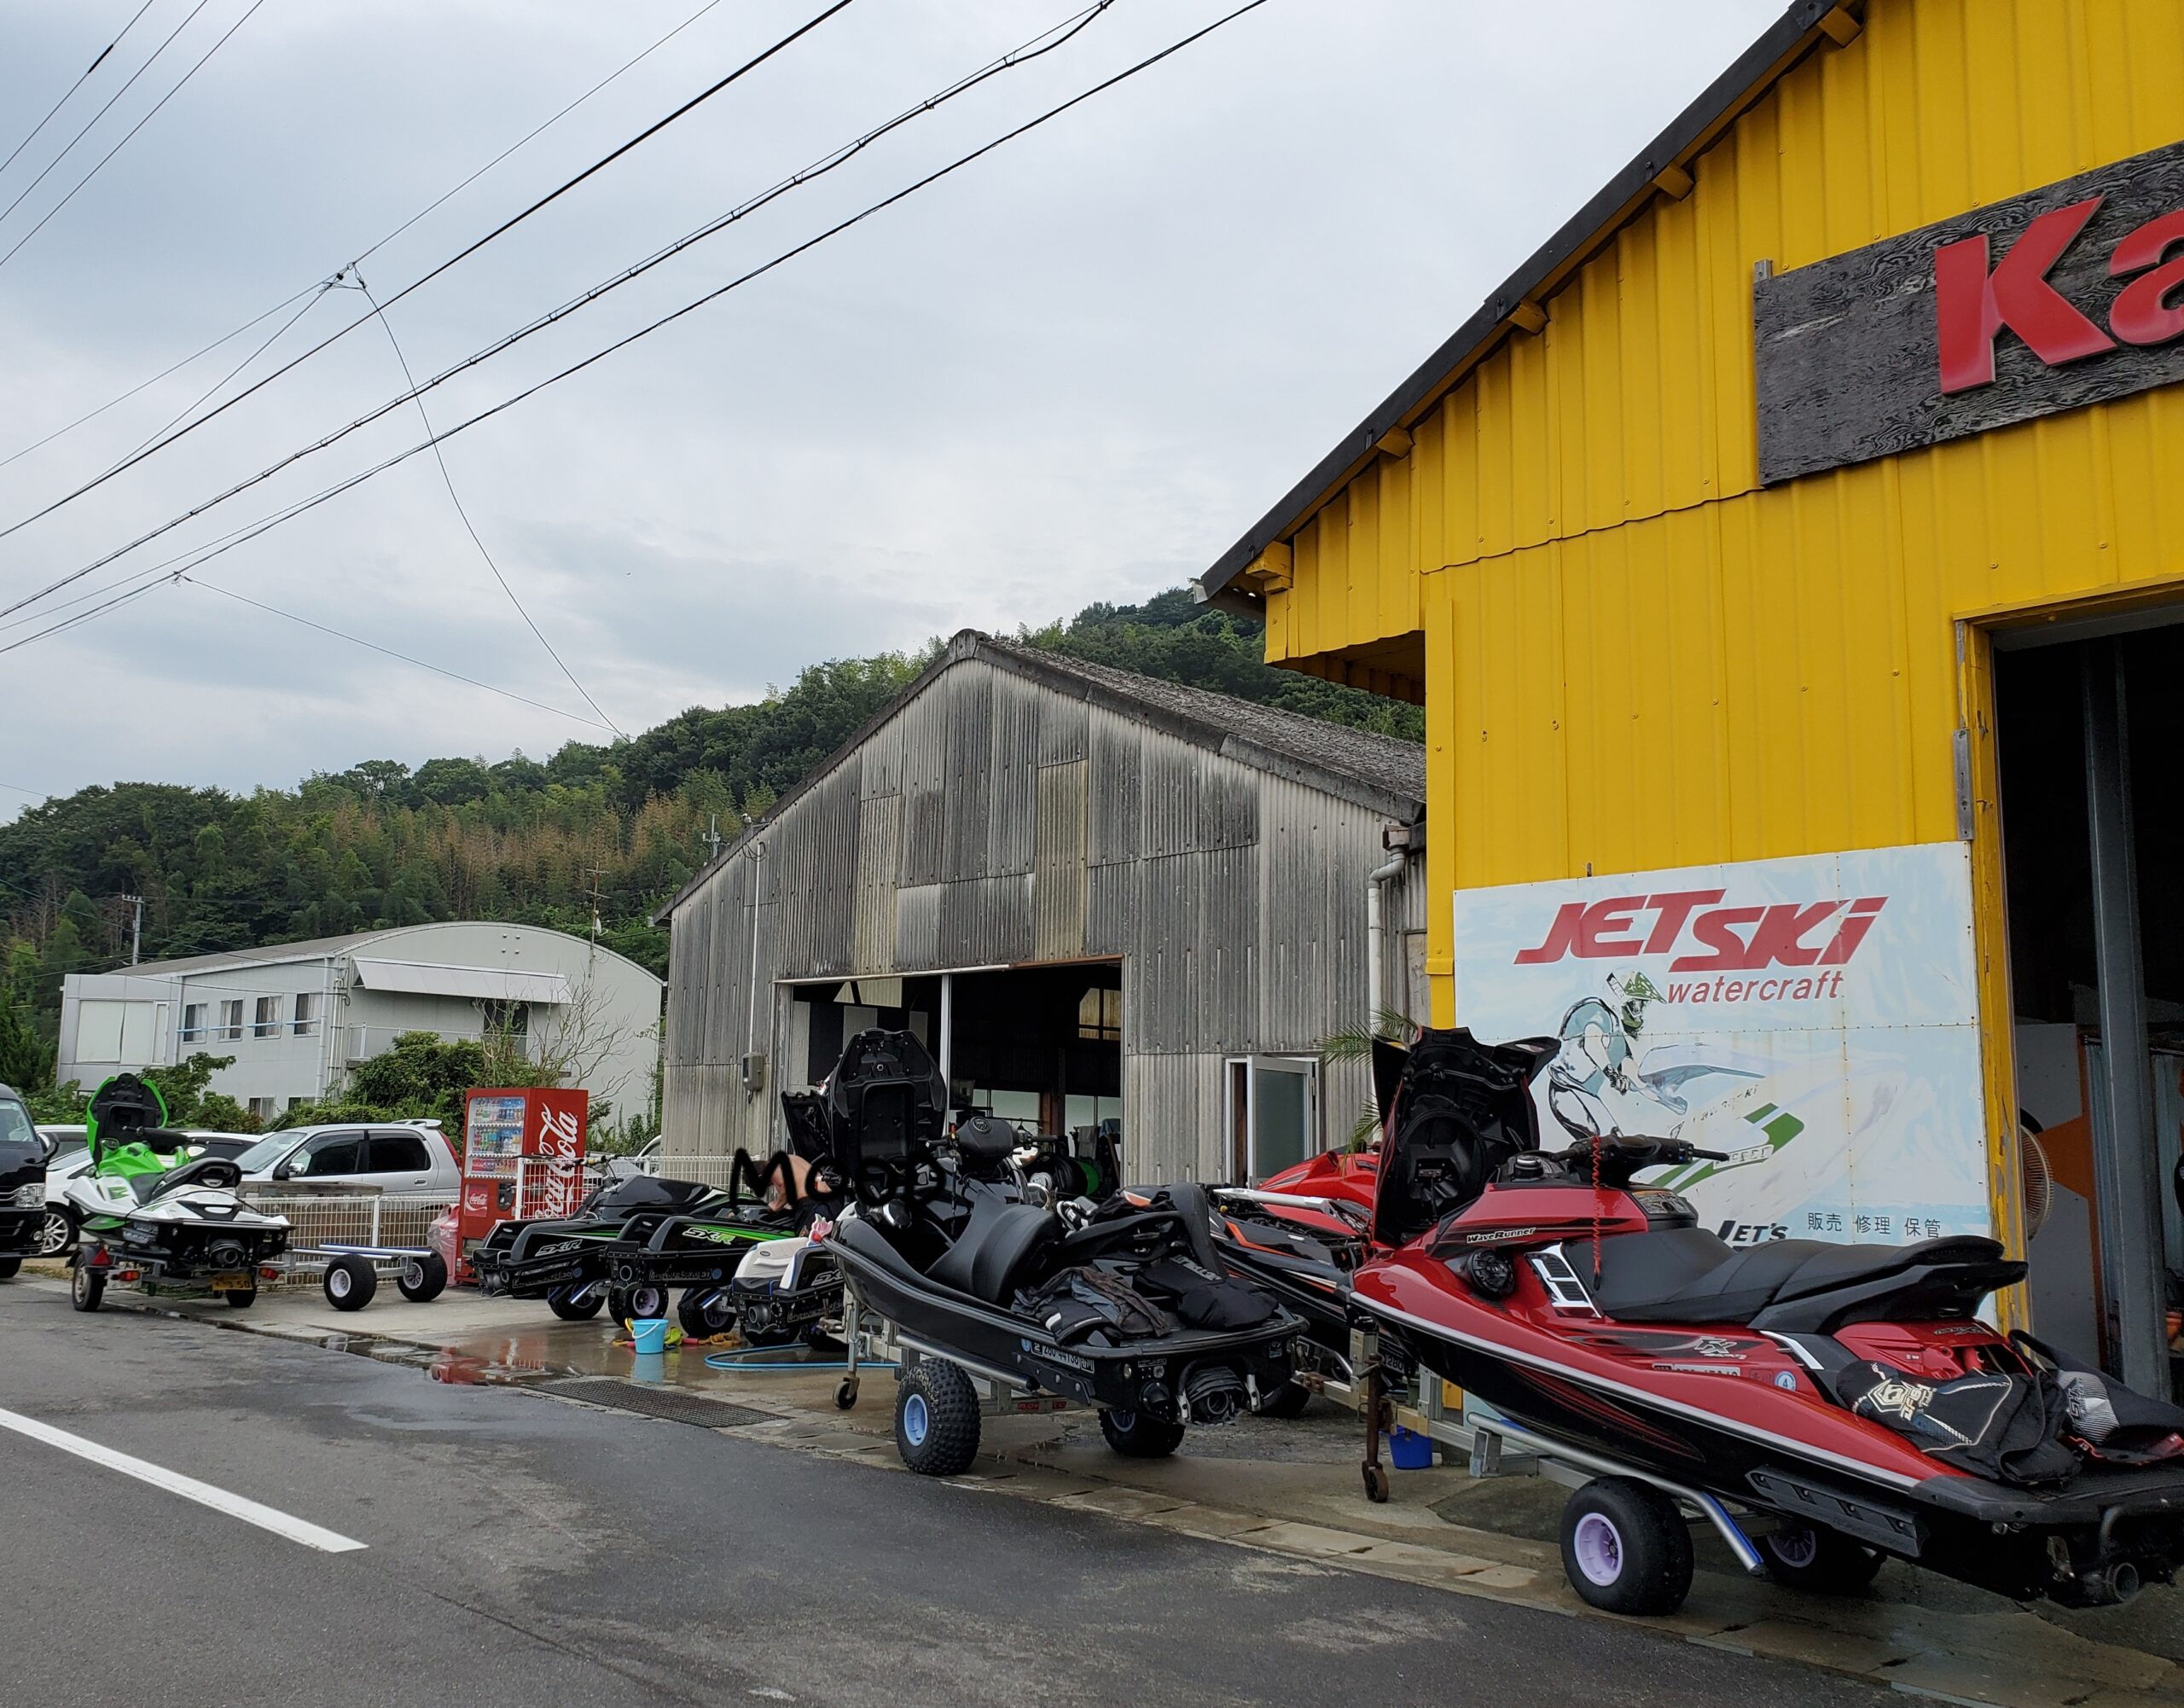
261, 1108
193, 1021
231, 1019
307, 1014
267, 1022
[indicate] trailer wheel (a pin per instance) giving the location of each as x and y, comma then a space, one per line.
1824, 1561
1136, 1436
644, 1302
706, 1311
846, 1393
935, 1419
240, 1297
422, 1279
86, 1287
1625, 1549
351, 1281
575, 1304
1376, 1485
1289, 1400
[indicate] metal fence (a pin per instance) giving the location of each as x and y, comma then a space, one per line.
317, 1220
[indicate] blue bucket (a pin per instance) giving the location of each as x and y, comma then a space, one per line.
1408, 1450
649, 1333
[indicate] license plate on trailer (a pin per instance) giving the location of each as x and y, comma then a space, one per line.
242, 1283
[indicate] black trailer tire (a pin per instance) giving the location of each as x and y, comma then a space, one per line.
1823, 1561
935, 1419
1289, 1400
422, 1279
1625, 1549
706, 1311
645, 1302
351, 1281
86, 1288
57, 1235
1136, 1436
10, 1266
575, 1304
240, 1297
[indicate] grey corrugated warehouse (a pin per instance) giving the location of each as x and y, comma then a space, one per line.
1097, 896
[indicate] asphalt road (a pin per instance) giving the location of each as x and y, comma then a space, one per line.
523, 1551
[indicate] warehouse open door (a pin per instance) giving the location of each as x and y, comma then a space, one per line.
2090, 724
1039, 1046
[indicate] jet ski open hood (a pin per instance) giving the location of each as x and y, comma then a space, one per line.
1461, 1109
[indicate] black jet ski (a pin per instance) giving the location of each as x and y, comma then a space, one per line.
22, 1184
1124, 1306
569, 1261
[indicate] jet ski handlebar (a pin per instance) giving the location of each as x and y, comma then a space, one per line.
1621, 1156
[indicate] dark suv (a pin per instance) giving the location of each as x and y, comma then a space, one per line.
22, 1183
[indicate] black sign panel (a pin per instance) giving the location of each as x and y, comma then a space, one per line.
2071, 295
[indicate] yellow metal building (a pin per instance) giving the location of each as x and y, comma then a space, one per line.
1638, 647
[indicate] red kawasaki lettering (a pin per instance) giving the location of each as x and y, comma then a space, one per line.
1674, 909
1855, 924
1606, 916
2143, 314
1713, 929
1778, 941
1560, 936
1583, 930
1973, 303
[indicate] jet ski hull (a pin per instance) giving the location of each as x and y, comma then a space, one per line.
1152, 1375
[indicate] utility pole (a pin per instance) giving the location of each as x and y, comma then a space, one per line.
711, 838
595, 873
136, 929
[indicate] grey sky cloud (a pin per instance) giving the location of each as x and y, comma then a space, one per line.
1074, 371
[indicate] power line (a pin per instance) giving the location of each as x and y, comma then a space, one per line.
500, 230
38, 127
1044, 43
103, 111
131, 131
311, 290
389, 652
469, 527
339, 487
220, 384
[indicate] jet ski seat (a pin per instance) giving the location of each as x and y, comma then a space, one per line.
1687, 1275
999, 1249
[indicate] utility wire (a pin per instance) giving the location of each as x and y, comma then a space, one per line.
1044, 43
70, 92
220, 384
500, 230
103, 111
389, 652
315, 288
358, 479
448, 480
131, 131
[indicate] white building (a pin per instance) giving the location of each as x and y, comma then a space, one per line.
297, 1017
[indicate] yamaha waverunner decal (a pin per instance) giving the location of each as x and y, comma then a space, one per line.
1816, 1018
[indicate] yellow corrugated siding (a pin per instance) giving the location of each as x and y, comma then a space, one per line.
1636, 400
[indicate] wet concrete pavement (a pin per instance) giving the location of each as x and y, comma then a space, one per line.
1291, 1489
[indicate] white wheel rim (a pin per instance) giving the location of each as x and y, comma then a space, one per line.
1597, 1546
337, 1283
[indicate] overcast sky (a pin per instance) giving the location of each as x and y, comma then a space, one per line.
1076, 370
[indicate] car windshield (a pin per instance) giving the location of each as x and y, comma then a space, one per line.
265, 1152
15, 1127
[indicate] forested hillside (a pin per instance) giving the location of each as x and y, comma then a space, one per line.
524, 839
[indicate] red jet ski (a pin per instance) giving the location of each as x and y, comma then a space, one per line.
1826, 1407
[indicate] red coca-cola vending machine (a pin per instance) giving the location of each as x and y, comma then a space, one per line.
522, 1156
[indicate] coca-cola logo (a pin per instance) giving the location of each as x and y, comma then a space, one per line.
1704, 936
560, 1135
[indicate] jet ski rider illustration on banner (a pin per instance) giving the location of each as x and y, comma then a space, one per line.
1811, 1019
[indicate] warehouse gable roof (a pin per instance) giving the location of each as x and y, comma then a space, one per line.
1517, 305
1382, 772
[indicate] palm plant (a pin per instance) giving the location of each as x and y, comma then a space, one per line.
1355, 1044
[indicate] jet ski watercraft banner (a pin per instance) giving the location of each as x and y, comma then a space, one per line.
1815, 1017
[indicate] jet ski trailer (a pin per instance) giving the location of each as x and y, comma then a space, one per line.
162, 1228
1124, 1306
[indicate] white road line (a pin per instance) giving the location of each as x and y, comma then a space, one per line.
220, 1501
